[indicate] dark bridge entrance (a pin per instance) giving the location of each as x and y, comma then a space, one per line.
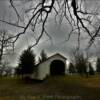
57, 67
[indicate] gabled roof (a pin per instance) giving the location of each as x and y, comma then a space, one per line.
53, 56
58, 55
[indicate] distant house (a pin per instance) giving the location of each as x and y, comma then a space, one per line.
54, 65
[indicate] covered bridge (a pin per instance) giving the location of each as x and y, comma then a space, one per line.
54, 65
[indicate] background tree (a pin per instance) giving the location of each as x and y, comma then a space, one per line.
91, 70
1, 70
80, 62
26, 63
43, 56
98, 65
5, 69
72, 68
81, 65
6, 44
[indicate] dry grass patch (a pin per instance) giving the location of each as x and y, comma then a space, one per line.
69, 86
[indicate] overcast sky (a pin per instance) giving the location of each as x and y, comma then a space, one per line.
58, 34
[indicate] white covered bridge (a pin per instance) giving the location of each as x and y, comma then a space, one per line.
54, 65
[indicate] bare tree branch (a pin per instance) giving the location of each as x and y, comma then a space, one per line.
41, 11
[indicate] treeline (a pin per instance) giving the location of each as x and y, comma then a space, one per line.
83, 67
27, 64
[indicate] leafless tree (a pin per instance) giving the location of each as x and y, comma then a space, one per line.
38, 12
5, 69
5, 43
81, 61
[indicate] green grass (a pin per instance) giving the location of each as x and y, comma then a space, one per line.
53, 88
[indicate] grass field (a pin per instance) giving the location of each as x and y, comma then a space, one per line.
53, 88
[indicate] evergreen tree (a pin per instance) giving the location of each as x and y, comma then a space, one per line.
98, 65
43, 56
71, 68
26, 63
